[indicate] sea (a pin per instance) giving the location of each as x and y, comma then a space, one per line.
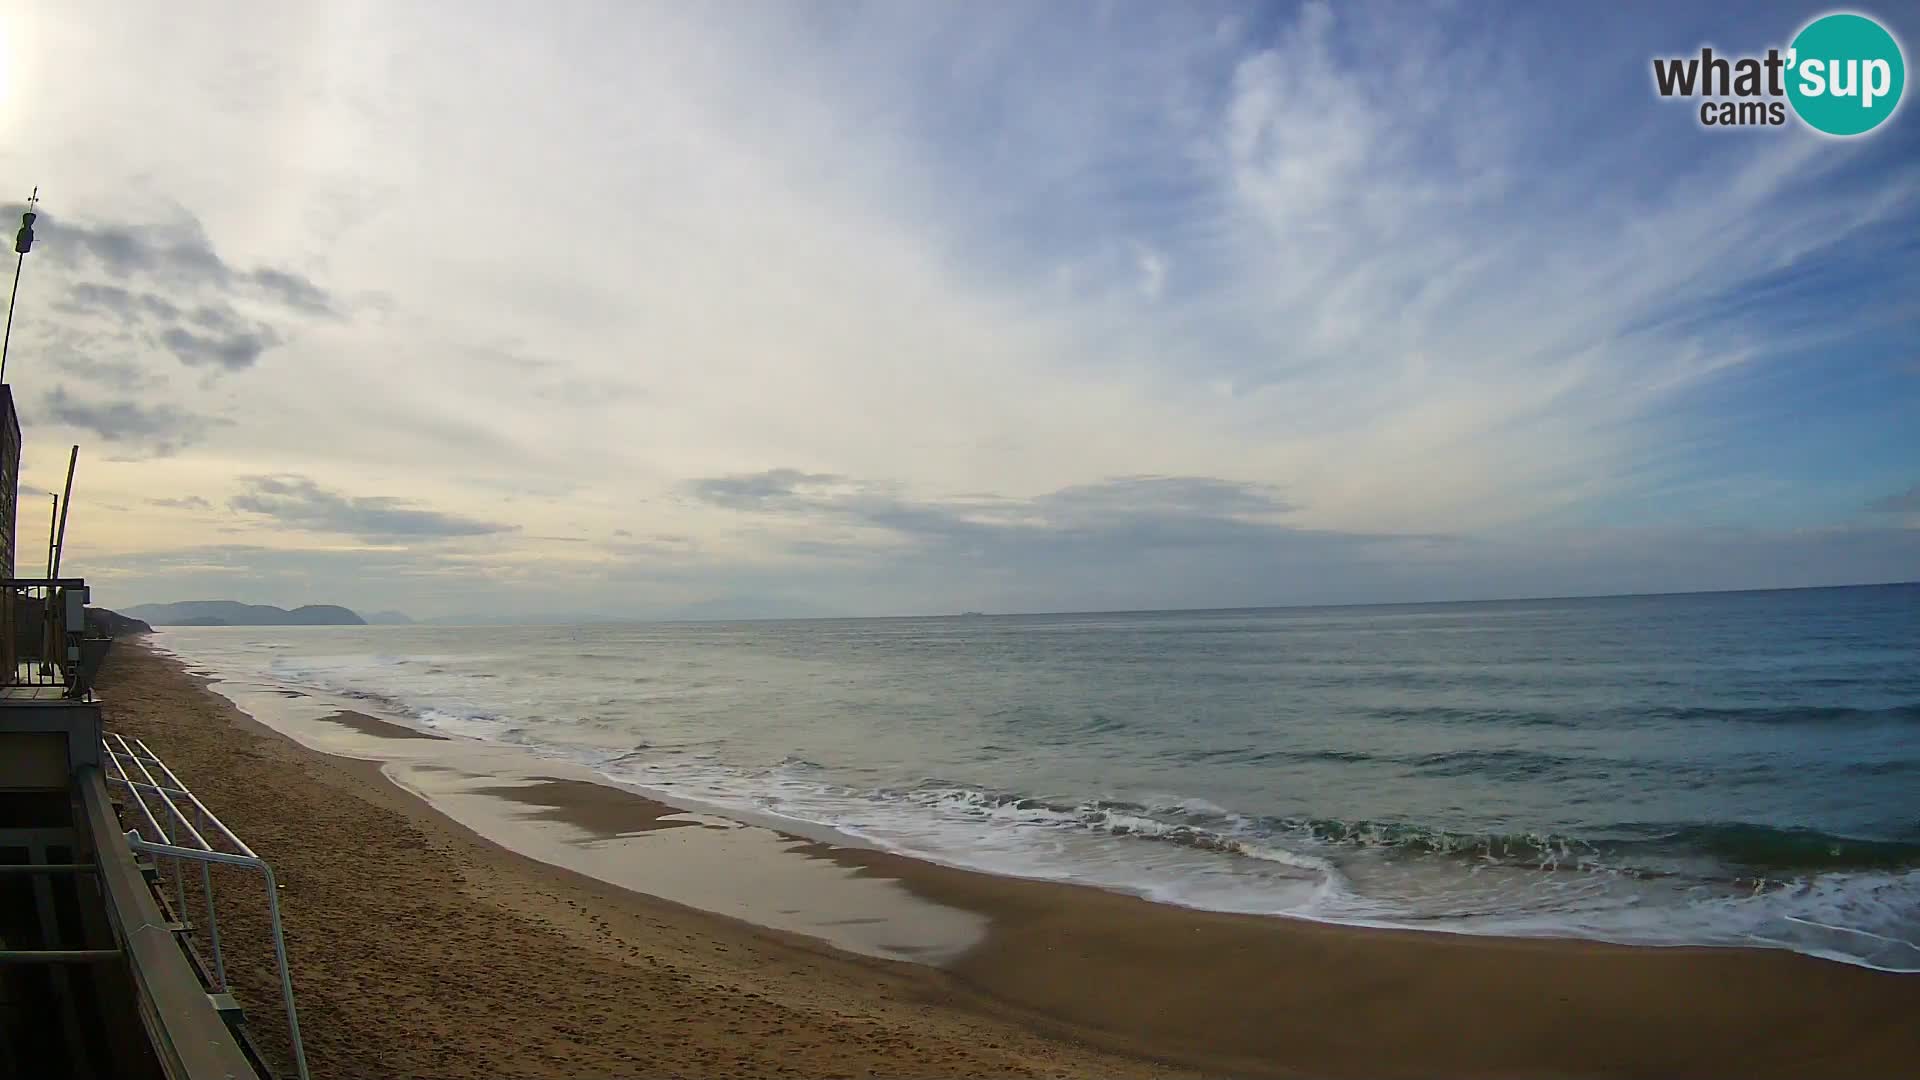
1700, 769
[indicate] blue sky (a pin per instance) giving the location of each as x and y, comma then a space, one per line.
868, 309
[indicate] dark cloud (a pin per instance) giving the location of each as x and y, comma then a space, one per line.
126, 305
156, 429
167, 287
298, 501
232, 350
294, 291
178, 255
185, 502
78, 356
753, 491
1900, 502
216, 317
181, 253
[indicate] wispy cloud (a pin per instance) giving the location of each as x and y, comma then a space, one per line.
298, 502
898, 292
155, 430
756, 490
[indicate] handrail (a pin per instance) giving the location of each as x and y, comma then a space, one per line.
182, 1022
273, 914
193, 845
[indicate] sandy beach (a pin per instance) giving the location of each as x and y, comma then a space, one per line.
648, 941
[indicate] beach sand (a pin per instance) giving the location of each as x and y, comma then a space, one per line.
423, 949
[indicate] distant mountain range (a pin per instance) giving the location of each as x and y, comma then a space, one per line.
232, 613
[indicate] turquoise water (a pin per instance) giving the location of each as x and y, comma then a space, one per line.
1710, 769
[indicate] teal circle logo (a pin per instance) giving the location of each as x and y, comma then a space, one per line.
1845, 74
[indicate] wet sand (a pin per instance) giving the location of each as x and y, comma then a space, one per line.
423, 949
376, 727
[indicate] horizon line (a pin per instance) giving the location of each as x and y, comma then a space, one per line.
535, 620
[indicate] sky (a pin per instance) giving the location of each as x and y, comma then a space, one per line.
666, 310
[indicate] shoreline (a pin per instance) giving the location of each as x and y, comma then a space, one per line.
1063, 969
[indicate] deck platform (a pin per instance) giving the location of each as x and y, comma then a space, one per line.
93, 979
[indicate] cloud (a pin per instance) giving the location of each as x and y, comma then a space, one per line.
169, 288
158, 430
178, 253
1900, 502
232, 351
100, 358
748, 491
184, 502
294, 291
125, 304
1123, 515
1039, 307
298, 501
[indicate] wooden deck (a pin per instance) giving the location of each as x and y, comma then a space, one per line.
47, 695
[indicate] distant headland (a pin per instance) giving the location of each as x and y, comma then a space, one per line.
233, 613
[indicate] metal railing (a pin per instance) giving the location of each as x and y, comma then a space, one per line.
43, 635
145, 777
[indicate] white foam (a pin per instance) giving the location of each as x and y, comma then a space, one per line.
1173, 849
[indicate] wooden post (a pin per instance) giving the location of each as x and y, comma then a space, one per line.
66, 503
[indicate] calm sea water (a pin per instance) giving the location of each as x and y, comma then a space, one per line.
1710, 769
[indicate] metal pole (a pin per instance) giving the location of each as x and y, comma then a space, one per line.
273, 915
47, 645
213, 915
66, 503
213, 926
22, 243
286, 977
18, 262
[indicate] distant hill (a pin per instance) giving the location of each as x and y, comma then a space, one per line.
231, 613
104, 623
389, 618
